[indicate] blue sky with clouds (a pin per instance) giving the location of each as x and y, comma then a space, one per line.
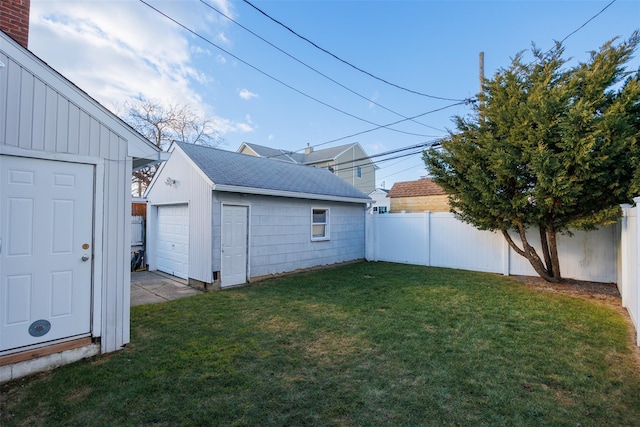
255, 92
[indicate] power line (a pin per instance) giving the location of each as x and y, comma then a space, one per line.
312, 68
347, 62
420, 146
590, 19
269, 75
365, 131
388, 124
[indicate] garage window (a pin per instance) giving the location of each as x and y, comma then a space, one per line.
319, 224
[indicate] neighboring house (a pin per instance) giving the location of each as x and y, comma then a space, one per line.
65, 166
381, 201
418, 196
348, 162
223, 217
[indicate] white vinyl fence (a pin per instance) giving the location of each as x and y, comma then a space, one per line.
606, 255
629, 269
137, 230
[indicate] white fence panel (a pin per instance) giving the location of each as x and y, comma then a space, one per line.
455, 244
630, 265
441, 240
404, 241
137, 230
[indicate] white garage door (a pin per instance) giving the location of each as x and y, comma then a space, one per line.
172, 241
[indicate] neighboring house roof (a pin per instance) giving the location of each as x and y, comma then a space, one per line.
315, 156
235, 172
420, 187
379, 191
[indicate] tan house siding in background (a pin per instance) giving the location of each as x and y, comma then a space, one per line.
418, 196
346, 165
437, 203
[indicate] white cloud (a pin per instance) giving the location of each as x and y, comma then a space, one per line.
373, 99
375, 148
223, 38
246, 94
221, 59
118, 51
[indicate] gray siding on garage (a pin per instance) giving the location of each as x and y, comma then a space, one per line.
42, 115
280, 233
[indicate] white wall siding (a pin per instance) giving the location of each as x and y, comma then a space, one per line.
192, 188
280, 233
44, 116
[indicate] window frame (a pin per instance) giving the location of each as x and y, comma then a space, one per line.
326, 224
359, 172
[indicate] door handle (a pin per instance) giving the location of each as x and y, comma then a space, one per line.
85, 257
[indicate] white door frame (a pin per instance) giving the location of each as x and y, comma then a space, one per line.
247, 266
98, 219
95, 321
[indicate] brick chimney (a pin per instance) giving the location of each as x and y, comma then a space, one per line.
14, 19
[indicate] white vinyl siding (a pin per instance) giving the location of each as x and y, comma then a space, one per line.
42, 115
279, 230
190, 186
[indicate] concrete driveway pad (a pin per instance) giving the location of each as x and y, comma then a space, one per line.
150, 287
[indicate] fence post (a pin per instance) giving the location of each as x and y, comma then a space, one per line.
427, 232
506, 253
636, 266
624, 254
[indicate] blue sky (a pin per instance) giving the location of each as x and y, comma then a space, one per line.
252, 92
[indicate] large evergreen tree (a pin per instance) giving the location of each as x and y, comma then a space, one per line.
548, 147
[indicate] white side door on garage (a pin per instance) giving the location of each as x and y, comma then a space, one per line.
234, 245
172, 240
46, 247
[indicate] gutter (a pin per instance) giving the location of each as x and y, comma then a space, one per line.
292, 194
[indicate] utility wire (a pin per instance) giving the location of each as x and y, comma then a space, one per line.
400, 171
388, 124
312, 68
269, 75
590, 19
420, 146
347, 62
365, 131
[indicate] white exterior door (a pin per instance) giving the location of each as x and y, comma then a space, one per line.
234, 245
46, 247
172, 241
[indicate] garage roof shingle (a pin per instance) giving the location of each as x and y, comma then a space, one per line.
227, 168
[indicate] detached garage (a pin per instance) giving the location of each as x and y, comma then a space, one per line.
65, 185
221, 217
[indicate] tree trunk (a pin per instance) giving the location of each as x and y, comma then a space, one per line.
553, 252
544, 243
529, 252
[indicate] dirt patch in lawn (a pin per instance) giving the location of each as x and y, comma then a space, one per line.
601, 293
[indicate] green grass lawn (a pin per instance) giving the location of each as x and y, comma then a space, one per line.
367, 344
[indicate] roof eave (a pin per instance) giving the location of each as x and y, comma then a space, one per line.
292, 194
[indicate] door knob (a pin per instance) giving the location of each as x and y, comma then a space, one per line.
85, 257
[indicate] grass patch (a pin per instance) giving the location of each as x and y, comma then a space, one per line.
368, 344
